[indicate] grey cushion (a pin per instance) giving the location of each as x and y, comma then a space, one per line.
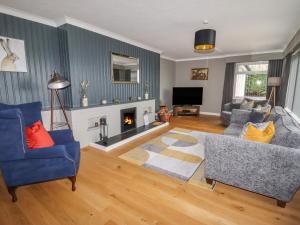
247, 105
287, 132
276, 113
234, 129
225, 117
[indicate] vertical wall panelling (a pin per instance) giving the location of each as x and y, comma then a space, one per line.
42, 55
90, 59
78, 55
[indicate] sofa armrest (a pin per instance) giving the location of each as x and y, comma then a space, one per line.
240, 116
57, 151
227, 107
62, 136
267, 169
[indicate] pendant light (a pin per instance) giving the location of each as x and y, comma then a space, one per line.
205, 40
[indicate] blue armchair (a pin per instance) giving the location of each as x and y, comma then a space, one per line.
19, 165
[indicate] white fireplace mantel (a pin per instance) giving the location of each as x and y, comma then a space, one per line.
83, 119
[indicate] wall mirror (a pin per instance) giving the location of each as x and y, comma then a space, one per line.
124, 69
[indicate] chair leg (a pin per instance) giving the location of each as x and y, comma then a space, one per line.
281, 204
73, 180
209, 181
12, 192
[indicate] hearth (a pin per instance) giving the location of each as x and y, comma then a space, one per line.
128, 119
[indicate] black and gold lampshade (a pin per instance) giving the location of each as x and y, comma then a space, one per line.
205, 40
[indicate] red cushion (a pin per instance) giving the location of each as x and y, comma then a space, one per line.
38, 137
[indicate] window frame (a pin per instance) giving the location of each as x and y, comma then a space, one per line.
236, 72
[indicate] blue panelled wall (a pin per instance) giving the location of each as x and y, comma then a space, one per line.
77, 54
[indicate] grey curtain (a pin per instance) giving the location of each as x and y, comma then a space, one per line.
275, 70
284, 80
228, 84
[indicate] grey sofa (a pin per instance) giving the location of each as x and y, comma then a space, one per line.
228, 107
227, 111
271, 169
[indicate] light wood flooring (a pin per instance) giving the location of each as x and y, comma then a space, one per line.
111, 191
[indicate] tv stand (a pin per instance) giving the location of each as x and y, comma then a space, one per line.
186, 110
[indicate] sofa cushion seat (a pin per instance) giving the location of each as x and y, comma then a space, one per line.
234, 129
287, 133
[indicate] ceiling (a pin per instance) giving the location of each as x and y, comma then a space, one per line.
243, 27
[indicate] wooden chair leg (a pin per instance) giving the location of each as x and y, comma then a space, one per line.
281, 204
73, 180
209, 181
12, 192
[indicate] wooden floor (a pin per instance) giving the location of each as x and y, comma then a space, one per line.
111, 191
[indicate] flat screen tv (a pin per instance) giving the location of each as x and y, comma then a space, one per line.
187, 95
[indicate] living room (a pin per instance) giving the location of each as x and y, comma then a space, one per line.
138, 112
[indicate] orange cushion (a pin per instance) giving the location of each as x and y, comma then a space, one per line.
265, 136
38, 137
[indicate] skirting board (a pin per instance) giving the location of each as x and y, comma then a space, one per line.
210, 113
108, 148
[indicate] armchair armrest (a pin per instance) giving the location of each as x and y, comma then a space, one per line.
240, 116
267, 169
62, 136
57, 151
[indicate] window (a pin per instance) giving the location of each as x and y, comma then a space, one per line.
251, 80
293, 91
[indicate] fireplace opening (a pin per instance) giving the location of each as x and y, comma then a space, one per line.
128, 119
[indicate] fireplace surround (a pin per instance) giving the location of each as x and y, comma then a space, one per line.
128, 119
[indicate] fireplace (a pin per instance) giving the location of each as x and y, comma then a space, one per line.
128, 119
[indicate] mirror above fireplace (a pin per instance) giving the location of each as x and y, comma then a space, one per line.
124, 69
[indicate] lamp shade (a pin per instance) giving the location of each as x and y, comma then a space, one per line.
205, 40
274, 81
57, 81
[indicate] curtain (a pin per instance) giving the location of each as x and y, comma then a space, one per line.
284, 80
228, 84
275, 70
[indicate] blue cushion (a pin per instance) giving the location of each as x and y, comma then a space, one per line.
31, 111
256, 116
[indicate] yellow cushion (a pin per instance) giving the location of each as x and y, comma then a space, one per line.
265, 136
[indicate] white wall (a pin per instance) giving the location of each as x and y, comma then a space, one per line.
167, 81
213, 87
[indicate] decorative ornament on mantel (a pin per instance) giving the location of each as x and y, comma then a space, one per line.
146, 90
84, 98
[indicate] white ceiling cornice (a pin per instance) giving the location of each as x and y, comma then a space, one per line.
229, 55
87, 26
75, 22
27, 16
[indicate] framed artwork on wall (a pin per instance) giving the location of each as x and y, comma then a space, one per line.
12, 55
199, 74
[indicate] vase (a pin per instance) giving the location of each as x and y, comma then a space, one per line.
146, 95
84, 101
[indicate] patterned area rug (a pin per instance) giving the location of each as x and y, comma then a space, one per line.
178, 153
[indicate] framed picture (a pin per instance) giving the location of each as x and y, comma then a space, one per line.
12, 55
199, 74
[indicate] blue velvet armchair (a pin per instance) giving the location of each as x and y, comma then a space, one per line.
21, 166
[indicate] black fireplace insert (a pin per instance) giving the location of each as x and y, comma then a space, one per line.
128, 119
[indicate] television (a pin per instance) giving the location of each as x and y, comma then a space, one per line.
187, 95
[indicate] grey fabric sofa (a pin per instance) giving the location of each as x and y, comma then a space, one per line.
227, 111
271, 169
228, 107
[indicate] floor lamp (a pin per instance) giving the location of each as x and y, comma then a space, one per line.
273, 82
56, 83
